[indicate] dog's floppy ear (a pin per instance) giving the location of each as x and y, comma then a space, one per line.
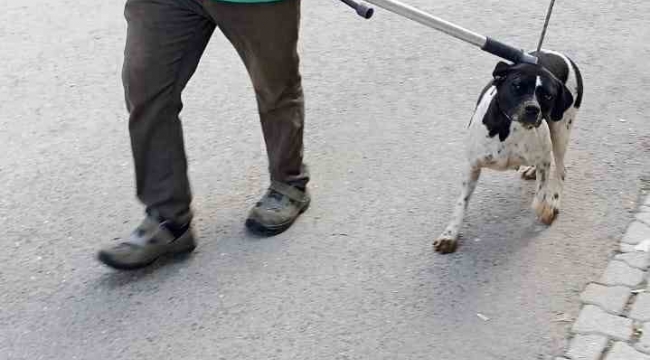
500, 72
563, 101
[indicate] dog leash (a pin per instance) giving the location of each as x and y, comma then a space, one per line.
548, 18
487, 44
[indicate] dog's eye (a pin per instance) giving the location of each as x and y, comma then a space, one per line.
546, 94
516, 86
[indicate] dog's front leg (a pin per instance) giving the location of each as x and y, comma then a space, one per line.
448, 240
546, 202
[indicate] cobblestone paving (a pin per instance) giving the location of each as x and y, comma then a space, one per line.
614, 323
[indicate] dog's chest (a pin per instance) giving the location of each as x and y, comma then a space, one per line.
522, 146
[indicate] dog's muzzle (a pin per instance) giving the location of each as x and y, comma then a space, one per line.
530, 116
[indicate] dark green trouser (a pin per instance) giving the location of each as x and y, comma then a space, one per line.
165, 41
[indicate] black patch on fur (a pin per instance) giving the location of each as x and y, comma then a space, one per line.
558, 67
496, 122
555, 64
563, 101
579, 84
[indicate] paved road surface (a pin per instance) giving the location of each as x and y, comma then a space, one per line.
356, 278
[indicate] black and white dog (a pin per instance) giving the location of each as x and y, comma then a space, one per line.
524, 115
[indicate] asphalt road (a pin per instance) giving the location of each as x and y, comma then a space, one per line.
356, 278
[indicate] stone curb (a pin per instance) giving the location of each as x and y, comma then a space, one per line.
614, 323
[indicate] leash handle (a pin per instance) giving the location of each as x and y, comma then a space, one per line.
361, 8
508, 52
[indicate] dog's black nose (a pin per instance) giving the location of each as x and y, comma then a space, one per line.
532, 110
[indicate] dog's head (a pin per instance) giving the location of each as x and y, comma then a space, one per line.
528, 94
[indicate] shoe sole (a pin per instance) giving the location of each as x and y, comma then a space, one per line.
266, 230
107, 260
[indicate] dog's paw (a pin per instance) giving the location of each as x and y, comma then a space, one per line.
546, 210
445, 244
528, 172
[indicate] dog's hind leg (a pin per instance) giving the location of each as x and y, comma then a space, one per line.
546, 199
560, 132
448, 240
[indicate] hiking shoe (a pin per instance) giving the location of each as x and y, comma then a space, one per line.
148, 242
278, 209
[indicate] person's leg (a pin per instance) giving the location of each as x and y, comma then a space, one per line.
165, 41
266, 36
